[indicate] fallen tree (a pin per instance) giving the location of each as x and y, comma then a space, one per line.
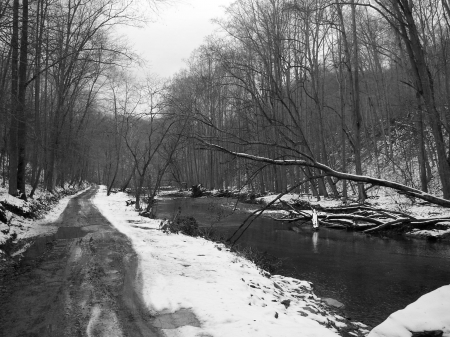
328, 171
360, 218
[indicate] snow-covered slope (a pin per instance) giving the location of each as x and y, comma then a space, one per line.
228, 294
431, 312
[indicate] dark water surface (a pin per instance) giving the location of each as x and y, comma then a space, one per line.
372, 276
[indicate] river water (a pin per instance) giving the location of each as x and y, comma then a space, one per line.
371, 276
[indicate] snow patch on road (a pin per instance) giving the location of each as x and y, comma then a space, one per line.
103, 323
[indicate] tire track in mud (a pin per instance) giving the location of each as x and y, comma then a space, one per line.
85, 285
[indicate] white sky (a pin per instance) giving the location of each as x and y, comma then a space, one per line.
177, 30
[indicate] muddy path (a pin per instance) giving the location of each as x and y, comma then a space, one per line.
84, 284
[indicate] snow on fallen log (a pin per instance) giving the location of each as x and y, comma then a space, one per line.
359, 218
388, 224
328, 171
411, 223
354, 218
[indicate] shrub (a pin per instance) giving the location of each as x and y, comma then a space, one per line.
263, 260
207, 233
189, 226
197, 191
184, 224
302, 204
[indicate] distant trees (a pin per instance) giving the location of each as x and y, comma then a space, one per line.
418, 27
145, 133
360, 87
139, 137
56, 58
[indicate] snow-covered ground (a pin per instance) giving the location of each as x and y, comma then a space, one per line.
292, 197
170, 192
390, 201
384, 200
431, 312
228, 294
26, 228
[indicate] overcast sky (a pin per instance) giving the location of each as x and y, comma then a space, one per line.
177, 30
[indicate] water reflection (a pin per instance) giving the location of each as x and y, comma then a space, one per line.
372, 276
315, 241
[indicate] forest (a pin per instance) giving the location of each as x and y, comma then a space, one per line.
329, 98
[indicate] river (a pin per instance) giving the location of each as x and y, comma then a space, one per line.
372, 276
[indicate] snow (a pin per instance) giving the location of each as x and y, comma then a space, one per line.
396, 202
384, 199
292, 197
27, 228
430, 233
429, 313
13, 201
227, 294
170, 192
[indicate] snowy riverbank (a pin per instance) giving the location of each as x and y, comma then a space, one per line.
427, 317
412, 218
39, 212
404, 207
197, 287
227, 294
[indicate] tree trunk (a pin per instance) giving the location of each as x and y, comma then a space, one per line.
21, 114
36, 182
352, 69
127, 182
357, 119
140, 183
13, 151
421, 147
343, 126
424, 86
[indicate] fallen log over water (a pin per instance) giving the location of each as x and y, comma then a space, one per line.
413, 224
360, 218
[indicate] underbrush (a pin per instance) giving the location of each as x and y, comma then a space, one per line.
262, 260
181, 224
15, 211
36, 207
188, 225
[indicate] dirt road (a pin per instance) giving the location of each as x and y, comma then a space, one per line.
85, 283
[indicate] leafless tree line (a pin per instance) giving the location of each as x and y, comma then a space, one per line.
68, 113
340, 91
345, 89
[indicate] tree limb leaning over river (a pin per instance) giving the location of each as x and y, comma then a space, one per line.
328, 171
247, 182
258, 212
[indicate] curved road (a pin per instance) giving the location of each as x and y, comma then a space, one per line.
85, 284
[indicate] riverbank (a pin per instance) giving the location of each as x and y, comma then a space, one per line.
226, 294
407, 217
373, 275
384, 213
426, 317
